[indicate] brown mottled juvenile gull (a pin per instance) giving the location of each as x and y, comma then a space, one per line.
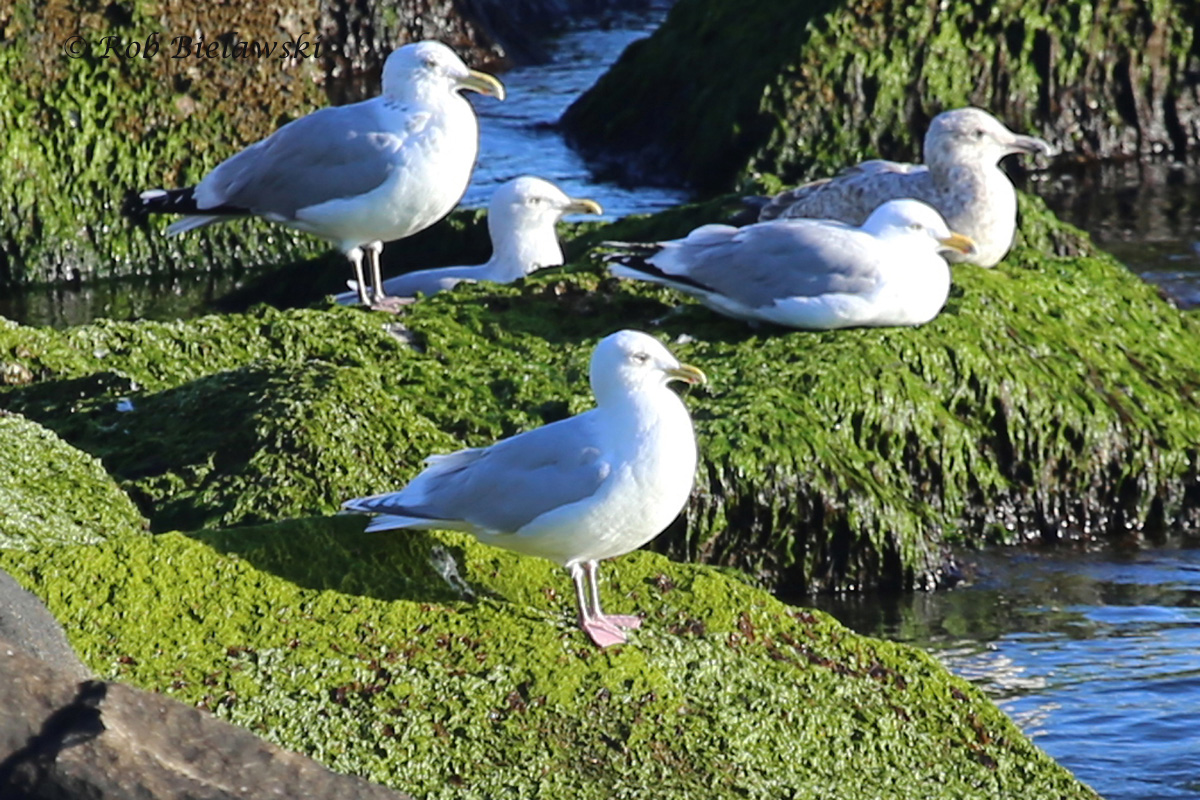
589, 487
809, 273
960, 178
357, 175
521, 220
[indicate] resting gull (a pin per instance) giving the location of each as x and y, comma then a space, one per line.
585, 488
808, 273
357, 175
521, 219
961, 178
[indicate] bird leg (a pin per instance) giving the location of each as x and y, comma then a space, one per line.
355, 254
627, 622
381, 302
373, 250
601, 631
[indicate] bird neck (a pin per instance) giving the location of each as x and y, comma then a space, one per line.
517, 253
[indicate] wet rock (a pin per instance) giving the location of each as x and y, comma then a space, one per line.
788, 91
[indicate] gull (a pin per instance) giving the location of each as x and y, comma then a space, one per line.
961, 178
807, 273
521, 221
356, 175
593, 486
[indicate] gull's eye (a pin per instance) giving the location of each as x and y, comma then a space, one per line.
915, 226
980, 133
640, 357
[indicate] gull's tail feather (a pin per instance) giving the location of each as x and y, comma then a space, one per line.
390, 513
180, 201
638, 268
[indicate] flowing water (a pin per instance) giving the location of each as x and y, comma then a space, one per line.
1095, 654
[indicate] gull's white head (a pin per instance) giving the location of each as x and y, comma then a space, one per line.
974, 135
521, 221
529, 203
421, 68
916, 221
627, 362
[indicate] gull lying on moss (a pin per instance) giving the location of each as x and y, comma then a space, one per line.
521, 220
593, 486
961, 178
805, 273
357, 175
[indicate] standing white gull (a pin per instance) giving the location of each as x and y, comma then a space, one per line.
521, 222
585, 488
808, 273
357, 175
961, 178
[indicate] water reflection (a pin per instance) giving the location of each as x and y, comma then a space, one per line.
1096, 655
1147, 214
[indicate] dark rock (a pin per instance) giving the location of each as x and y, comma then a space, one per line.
26, 624
61, 738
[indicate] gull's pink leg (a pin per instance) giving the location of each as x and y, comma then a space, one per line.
619, 620
601, 630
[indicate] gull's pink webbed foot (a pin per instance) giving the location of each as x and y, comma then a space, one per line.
602, 632
624, 621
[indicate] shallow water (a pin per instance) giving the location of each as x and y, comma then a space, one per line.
519, 136
1096, 655
1147, 214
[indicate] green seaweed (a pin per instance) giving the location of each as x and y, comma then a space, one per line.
759, 96
1055, 397
99, 126
441, 667
51, 493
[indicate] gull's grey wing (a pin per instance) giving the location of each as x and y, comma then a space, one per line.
503, 487
334, 152
854, 193
769, 261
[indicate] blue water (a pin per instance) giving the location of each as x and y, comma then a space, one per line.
1096, 655
520, 135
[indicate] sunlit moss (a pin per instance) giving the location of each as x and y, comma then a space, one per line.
356, 650
51, 493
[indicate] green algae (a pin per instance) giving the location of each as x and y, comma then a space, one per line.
775, 93
1056, 396
77, 134
51, 493
356, 650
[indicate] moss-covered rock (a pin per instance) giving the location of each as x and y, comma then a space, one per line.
51, 493
799, 89
1054, 397
365, 652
